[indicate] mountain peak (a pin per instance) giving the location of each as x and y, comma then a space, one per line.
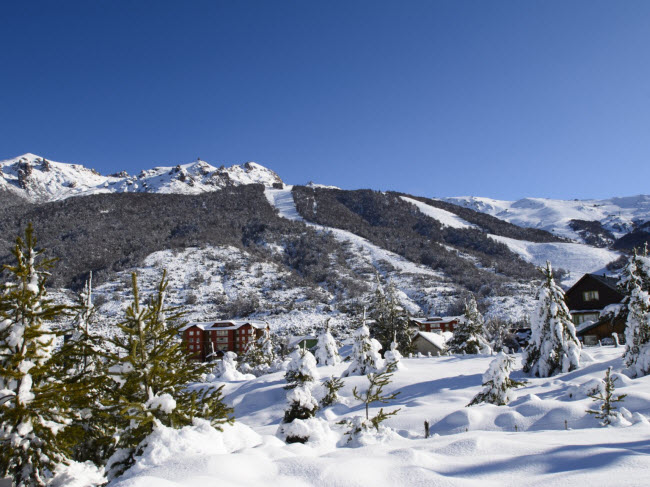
39, 179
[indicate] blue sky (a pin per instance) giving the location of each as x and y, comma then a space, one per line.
436, 98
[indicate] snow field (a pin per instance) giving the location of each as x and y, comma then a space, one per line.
577, 258
469, 446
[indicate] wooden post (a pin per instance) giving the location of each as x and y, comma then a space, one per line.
426, 429
566, 424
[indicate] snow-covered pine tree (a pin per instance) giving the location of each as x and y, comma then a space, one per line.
635, 283
83, 370
301, 369
391, 322
32, 403
553, 346
153, 373
469, 333
327, 353
604, 393
258, 356
301, 375
497, 384
365, 353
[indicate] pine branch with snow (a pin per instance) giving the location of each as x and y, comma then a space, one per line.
33, 409
553, 346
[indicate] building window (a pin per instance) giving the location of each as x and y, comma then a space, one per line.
222, 333
581, 318
590, 295
191, 332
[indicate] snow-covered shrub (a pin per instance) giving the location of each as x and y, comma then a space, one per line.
497, 384
604, 393
553, 345
469, 333
391, 322
365, 354
393, 357
327, 353
301, 368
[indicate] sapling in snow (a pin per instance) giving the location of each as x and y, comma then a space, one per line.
327, 353
332, 387
302, 406
553, 346
374, 393
393, 357
604, 393
365, 353
497, 384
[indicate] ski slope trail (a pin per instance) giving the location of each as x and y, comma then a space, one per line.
576, 258
282, 200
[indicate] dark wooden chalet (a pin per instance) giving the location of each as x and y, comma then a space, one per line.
209, 340
586, 300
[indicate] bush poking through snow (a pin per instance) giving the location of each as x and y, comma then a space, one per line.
226, 369
553, 346
393, 357
469, 333
604, 392
497, 384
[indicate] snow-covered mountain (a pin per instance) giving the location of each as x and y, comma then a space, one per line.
38, 179
616, 215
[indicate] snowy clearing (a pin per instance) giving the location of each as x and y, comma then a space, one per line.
445, 217
525, 441
577, 258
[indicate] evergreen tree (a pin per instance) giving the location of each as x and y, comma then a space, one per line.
83, 370
469, 334
301, 374
332, 387
497, 384
153, 373
365, 353
391, 322
635, 283
259, 355
605, 393
553, 345
32, 403
327, 353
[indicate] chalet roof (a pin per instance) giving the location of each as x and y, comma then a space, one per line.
225, 325
435, 339
609, 281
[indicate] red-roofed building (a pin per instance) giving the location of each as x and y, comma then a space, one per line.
436, 324
207, 340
